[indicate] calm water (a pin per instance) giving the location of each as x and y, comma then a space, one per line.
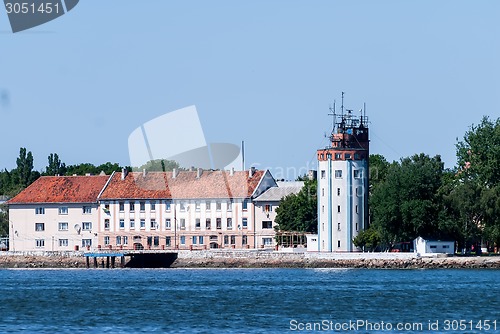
244, 301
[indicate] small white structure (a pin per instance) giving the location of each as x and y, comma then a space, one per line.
312, 242
423, 247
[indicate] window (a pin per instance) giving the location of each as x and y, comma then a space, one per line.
338, 243
63, 243
356, 208
197, 223
268, 208
87, 210
194, 239
359, 191
322, 209
143, 223
226, 240
322, 226
121, 206
218, 206
356, 156
322, 191
40, 242
267, 241
132, 223
183, 240
39, 226
358, 173
433, 246
446, 246
267, 224
245, 204
168, 224
132, 206
150, 241
244, 222
182, 206
338, 191
229, 206
338, 226
86, 226
106, 208
347, 156
357, 229
118, 240
153, 206
323, 174
183, 223
63, 226
152, 224
168, 241
229, 223
338, 208
218, 223
106, 240
40, 211
122, 223
207, 205
63, 210
338, 156
86, 242
244, 240
233, 240
125, 240
142, 206
156, 241
338, 173
106, 224
200, 240
197, 206
208, 224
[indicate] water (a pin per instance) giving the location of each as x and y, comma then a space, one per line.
245, 300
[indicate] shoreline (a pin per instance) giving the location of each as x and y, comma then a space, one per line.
228, 259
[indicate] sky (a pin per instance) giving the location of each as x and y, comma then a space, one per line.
264, 72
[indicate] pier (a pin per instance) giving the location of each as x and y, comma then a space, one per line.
138, 258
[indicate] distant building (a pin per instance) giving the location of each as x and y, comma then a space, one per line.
425, 247
156, 210
343, 184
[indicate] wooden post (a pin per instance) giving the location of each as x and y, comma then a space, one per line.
95, 262
123, 261
113, 261
87, 261
107, 261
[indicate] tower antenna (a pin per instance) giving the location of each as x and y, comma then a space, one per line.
342, 107
334, 116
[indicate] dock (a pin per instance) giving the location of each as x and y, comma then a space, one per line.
138, 258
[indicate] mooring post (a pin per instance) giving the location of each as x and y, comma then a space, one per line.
87, 262
122, 259
113, 261
95, 262
107, 261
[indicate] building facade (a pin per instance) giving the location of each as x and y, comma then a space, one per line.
157, 210
343, 184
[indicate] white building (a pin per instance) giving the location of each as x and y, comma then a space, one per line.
343, 185
424, 247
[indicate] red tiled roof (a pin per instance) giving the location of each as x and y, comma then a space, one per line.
62, 189
186, 185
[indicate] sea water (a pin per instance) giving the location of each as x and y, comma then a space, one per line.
249, 301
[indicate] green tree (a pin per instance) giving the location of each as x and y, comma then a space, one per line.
378, 170
299, 212
24, 168
158, 165
368, 240
4, 221
55, 166
406, 204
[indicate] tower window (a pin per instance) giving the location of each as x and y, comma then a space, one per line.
357, 227
358, 173
347, 156
338, 156
338, 226
338, 191
322, 209
338, 243
356, 156
356, 208
338, 173
323, 174
322, 191
338, 208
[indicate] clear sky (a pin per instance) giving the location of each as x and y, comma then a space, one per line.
260, 71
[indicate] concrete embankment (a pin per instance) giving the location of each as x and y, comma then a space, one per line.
263, 259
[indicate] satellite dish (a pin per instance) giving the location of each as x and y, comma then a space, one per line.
78, 228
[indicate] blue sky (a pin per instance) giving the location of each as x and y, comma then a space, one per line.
260, 71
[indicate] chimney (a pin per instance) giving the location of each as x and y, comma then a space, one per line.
144, 172
174, 173
199, 171
251, 171
124, 173
231, 172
